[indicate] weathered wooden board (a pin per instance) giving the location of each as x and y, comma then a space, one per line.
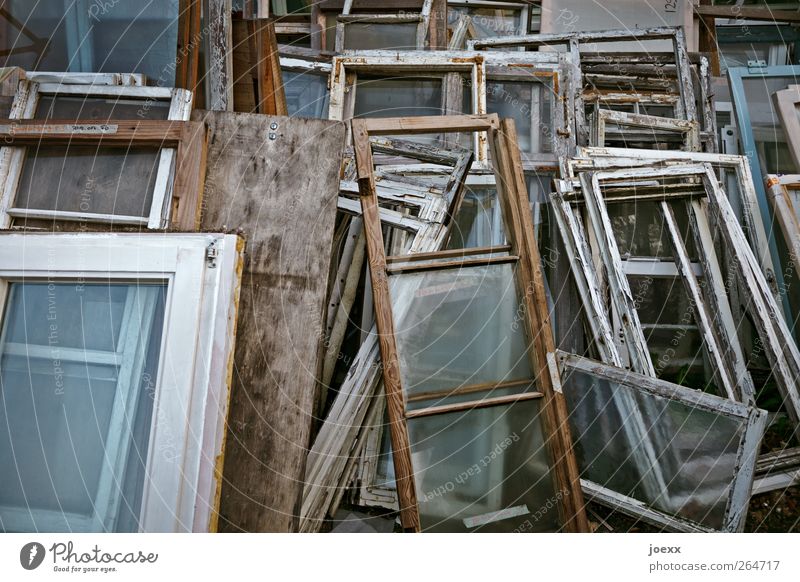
280, 193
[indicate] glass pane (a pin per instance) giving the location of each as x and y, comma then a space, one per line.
484, 470
640, 231
85, 108
89, 179
529, 104
365, 36
738, 54
306, 94
479, 222
487, 21
672, 456
458, 327
104, 37
77, 381
770, 141
397, 97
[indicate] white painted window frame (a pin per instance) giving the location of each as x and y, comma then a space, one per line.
12, 159
753, 421
203, 273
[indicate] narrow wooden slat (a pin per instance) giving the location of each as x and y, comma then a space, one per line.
401, 448
473, 405
448, 254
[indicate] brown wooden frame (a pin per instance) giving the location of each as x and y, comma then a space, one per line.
531, 289
257, 82
189, 137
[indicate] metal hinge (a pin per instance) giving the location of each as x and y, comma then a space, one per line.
212, 252
754, 66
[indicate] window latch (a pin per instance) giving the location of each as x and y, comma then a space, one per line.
212, 252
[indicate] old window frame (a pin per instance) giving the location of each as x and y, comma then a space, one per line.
181, 168
187, 52
192, 389
524, 251
345, 69
685, 107
753, 419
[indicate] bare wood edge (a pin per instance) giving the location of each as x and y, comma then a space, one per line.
401, 448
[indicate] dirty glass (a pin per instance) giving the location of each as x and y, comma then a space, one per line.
487, 22
306, 94
484, 470
91, 179
77, 370
94, 37
668, 454
458, 327
640, 230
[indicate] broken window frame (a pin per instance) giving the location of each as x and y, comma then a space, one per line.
519, 228
604, 117
753, 419
736, 80
685, 106
181, 166
780, 349
193, 382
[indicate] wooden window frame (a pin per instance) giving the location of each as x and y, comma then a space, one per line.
183, 146
203, 271
331, 456
519, 227
787, 102
753, 419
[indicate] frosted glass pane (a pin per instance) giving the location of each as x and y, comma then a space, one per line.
77, 365
457, 327
673, 456
483, 470
104, 37
529, 104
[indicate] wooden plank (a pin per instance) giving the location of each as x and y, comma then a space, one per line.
281, 194
433, 124
220, 55
23, 132
190, 37
401, 447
